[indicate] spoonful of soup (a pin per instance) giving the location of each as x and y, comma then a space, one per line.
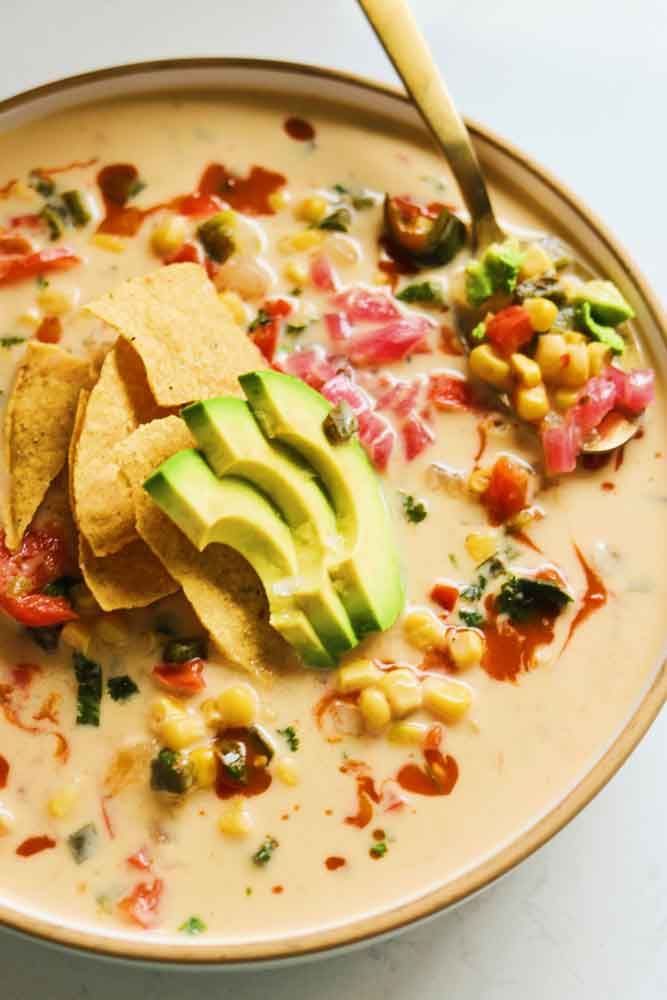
546, 343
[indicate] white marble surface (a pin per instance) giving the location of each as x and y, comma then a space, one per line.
581, 85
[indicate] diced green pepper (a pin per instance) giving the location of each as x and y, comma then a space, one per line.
76, 203
54, 220
171, 772
46, 637
83, 843
182, 650
340, 423
338, 221
89, 680
426, 241
215, 237
524, 598
427, 293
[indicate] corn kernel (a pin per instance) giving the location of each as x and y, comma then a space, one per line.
542, 313
6, 820
343, 250
23, 191
163, 708
478, 481
531, 404
109, 242
481, 545
357, 675
287, 771
526, 370
112, 629
599, 357
410, 733
375, 709
307, 239
238, 705
575, 371
31, 316
466, 647
536, 261
312, 209
235, 306
490, 367
178, 732
279, 199
423, 629
236, 821
61, 804
574, 337
447, 699
551, 348
563, 399
211, 713
77, 635
204, 766
57, 301
296, 273
403, 691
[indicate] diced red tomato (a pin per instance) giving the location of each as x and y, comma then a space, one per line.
507, 492
40, 559
142, 903
635, 390
50, 330
35, 610
337, 326
366, 305
322, 273
189, 253
198, 205
181, 678
278, 307
417, 435
392, 342
510, 329
19, 267
449, 391
14, 245
141, 859
310, 364
266, 338
33, 220
445, 594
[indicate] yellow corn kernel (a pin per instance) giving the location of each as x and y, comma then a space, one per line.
238, 705
551, 349
599, 357
296, 273
83, 601
536, 261
112, 629
563, 399
236, 821
531, 404
107, 241
211, 713
526, 370
423, 629
466, 647
575, 371
57, 301
6, 820
77, 635
307, 239
312, 209
279, 199
287, 771
31, 316
357, 675
410, 733
204, 766
542, 313
178, 732
23, 191
403, 691
381, 278
375, 709
163, 708
448, 700
574, 337
235, 306
343, 250
478, 481
490, 367
61, 804
481, 545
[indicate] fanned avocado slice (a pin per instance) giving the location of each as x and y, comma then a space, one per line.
231, 511
367, 574
234, 444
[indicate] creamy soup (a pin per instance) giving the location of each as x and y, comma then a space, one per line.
530, 620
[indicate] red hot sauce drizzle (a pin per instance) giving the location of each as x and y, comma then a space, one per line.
258, 777
299, 129
4, 771
367, 793
334, 862
509, 648
594, 597
437, 777
33, 845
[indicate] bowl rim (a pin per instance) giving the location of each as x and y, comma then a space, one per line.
348, 935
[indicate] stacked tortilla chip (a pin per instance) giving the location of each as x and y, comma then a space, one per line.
176, 344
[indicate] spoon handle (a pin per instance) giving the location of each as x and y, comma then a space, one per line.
397, 30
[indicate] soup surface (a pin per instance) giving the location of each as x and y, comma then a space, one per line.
338, 814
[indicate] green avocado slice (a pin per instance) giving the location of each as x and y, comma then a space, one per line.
234, 445
231, 511
367, 575
607, 305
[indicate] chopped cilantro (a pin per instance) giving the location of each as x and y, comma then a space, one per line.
11, 341
493, 566
524, 599
261, 319
41, 281
233, 756
474, 591
473, 619
339, 189
193, 925
46, 637
379, 850
414, 510
290, 736
60, 587
182, 650
171, 772
453, 560
41, 183
135, 188
264, 853
296, 328
121, 688
89, 679
338, 221
423, 292
296, 291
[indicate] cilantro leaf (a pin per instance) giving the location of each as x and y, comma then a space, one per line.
121, 688
264, 853
473, 619
193, 925
414, 510
290, 736
89, 695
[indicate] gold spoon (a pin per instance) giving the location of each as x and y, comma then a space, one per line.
394, 24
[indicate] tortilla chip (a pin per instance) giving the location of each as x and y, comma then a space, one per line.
223, 589
38, 425
119, 402
190, 347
